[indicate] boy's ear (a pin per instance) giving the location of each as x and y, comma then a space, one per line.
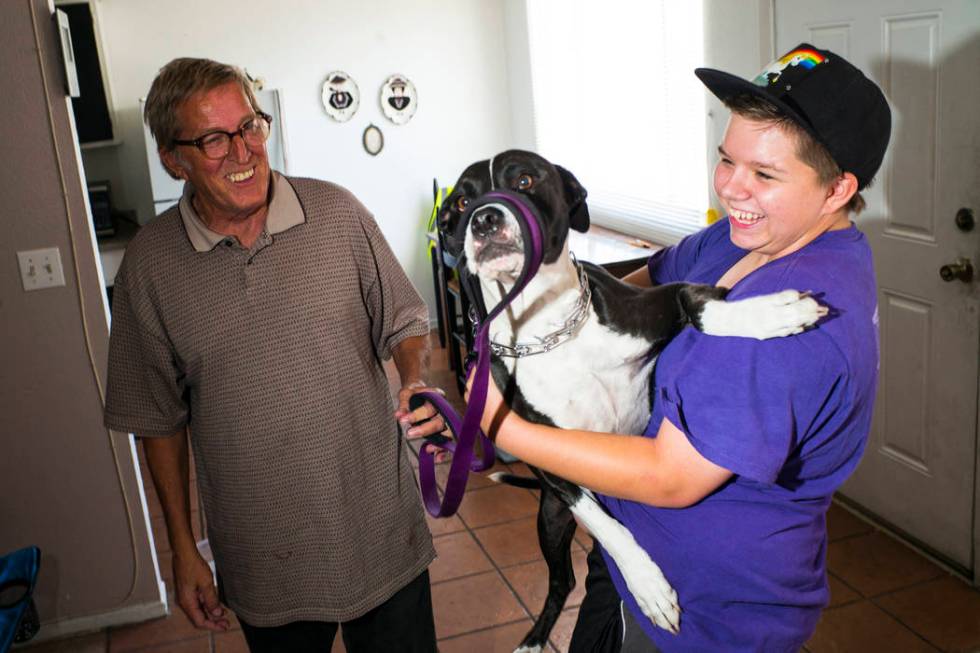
841, 192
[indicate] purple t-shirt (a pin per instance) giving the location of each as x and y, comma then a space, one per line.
789, 417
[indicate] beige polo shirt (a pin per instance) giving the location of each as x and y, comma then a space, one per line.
285, 211
271, 355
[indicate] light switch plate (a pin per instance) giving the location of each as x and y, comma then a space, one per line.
41, 268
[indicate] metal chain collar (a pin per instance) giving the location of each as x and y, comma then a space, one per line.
558, 337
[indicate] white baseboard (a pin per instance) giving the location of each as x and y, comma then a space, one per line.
129, 615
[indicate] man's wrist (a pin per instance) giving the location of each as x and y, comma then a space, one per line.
417, 383
185, 549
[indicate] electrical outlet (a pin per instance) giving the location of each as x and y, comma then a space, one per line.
41, 268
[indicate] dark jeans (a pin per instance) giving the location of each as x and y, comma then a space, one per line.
603, 619
402, 623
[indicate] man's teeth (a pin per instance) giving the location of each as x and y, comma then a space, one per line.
241, 176
745, 217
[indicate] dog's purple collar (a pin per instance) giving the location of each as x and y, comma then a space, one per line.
467, 431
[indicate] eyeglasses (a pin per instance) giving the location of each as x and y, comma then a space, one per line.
217, 144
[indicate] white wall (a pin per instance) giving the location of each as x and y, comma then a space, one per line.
451, 51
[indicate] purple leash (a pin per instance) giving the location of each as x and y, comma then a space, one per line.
467, 431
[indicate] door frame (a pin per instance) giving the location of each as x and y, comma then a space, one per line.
976, 499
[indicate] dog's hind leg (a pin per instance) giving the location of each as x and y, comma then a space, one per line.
656, 598
556, 527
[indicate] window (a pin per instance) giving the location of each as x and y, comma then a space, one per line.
617, 103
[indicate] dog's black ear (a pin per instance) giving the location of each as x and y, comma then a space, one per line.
575, 194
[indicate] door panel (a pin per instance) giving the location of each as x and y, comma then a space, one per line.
919, 469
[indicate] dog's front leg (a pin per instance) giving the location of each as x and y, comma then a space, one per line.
774, 315
656, 598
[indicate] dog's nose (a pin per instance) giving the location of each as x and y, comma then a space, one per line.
485, 221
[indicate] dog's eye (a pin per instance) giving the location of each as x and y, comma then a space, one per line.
525, 182
461, 203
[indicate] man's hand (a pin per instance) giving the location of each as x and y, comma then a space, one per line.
422, 421
196, 594
194, 584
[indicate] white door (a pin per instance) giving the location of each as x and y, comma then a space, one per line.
919, 470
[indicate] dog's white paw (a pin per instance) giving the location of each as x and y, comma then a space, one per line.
775, 315
656, 598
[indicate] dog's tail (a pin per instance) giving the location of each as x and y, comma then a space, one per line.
529, 482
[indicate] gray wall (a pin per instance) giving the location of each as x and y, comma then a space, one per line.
66, 484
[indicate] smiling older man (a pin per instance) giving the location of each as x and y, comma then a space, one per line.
251, 319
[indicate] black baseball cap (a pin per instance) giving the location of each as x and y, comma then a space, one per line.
826, 95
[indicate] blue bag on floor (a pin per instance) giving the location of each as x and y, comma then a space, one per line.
18, 617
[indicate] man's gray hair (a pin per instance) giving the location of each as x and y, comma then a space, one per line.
178, 81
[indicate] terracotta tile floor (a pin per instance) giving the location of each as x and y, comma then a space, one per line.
489, 580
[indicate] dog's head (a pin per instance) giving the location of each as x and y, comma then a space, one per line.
490, 235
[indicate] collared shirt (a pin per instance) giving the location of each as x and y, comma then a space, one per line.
285, 211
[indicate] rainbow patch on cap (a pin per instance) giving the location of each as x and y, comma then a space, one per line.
805, 58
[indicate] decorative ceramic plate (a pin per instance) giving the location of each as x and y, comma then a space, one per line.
398, 99
340, 96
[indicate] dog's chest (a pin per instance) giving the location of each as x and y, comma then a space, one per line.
598, 380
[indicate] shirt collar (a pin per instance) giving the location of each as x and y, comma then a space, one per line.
285, 212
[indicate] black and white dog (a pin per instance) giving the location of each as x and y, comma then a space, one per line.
576, 348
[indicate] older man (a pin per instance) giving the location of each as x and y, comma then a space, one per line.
252, 317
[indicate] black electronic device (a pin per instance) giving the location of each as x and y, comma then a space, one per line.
100, 201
